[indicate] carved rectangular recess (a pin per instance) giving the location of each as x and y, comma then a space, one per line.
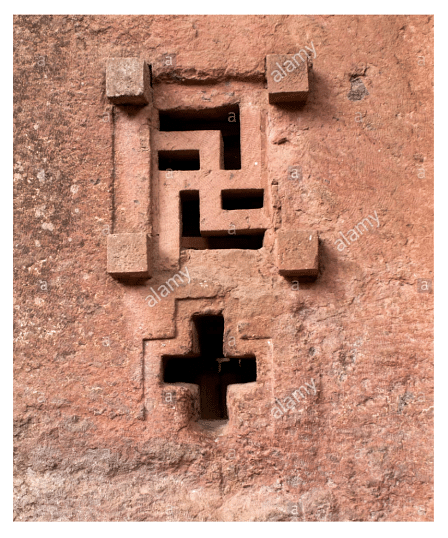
187, 159
190, 215
225, 119
234, 199
191, 235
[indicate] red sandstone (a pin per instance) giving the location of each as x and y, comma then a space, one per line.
105, 429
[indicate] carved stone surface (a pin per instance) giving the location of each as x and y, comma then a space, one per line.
128, 255
298, 253
287, 76
337, 423
128, 81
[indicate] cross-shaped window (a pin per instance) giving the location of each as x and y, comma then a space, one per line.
210, 369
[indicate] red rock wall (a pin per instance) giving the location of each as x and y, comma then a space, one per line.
338, 425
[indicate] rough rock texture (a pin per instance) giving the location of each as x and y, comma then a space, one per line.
338, 424
128, 81
128, 255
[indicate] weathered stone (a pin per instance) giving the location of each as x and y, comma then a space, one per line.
298, 253
128, 255
337, 424
128, 81
254, 329
287, 76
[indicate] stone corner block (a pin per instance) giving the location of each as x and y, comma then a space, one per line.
128, 255
298, 253
287, 76
128, 81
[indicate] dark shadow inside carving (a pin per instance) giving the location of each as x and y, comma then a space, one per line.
210, 370
234, 199
184, 159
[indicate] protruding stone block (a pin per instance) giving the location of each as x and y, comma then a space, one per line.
128, 81
298, 253
287, 76
128, 255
